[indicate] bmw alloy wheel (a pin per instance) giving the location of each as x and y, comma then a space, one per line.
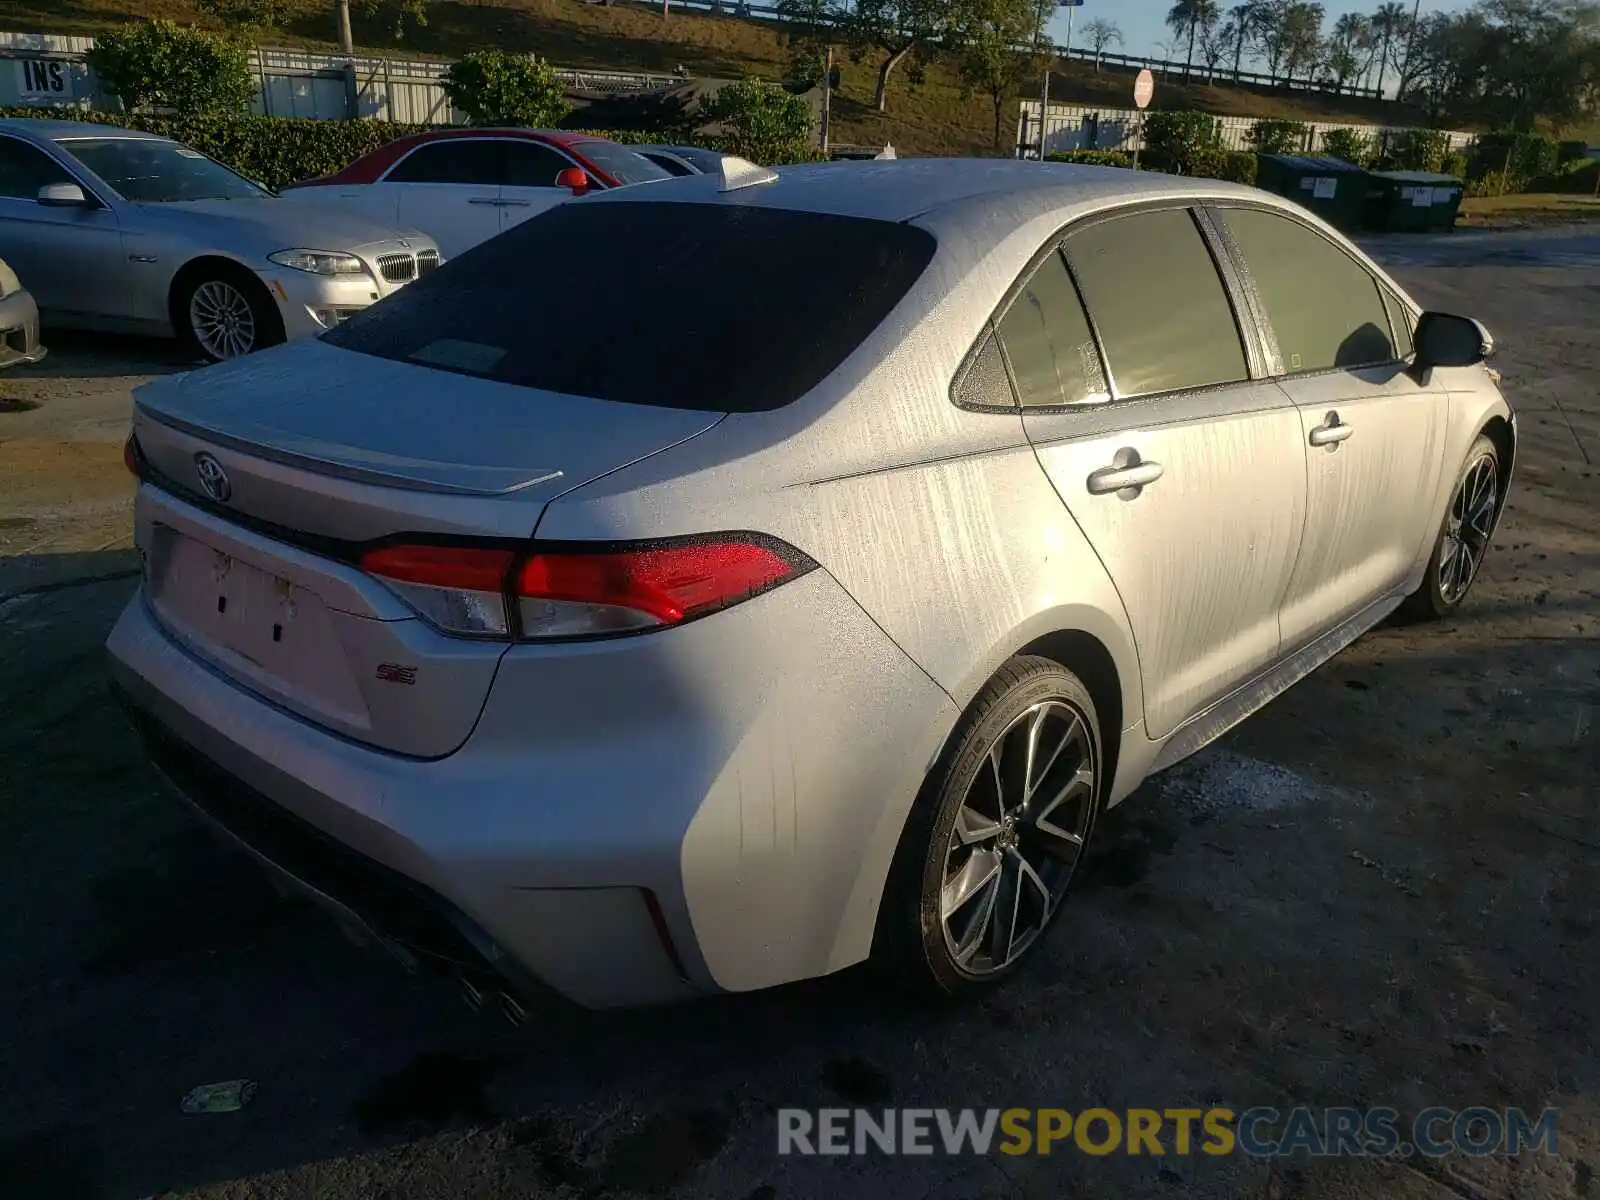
1017, 837
223, 323
1467, 529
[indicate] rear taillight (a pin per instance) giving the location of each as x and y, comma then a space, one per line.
130, 456
572, 593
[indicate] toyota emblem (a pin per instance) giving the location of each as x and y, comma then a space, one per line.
213, 479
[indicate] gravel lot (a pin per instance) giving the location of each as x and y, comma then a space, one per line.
1381, 890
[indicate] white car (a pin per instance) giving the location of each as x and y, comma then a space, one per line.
463, 186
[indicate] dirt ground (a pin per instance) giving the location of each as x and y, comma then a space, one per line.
1381, 890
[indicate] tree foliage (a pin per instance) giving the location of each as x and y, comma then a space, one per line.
999, 47
247, 14
162, 65
1102, 35
762, 121
496, 88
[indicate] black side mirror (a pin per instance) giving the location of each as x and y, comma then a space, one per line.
1445, 340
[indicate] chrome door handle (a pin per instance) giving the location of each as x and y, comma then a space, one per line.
483, 200
514, 204
1126, 475
1331, 432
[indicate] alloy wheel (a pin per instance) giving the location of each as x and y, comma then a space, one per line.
222, 320
1467, 528
1017, 837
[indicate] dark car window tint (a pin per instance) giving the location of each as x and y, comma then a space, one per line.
984, 383
1326, 309
1400, 322
1158, 303
1048, 342
619, 162
528, 164
25, 169
714, 307
454, 160
668, 164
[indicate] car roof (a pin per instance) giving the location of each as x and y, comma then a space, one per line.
370, 167
40, 129
903, 189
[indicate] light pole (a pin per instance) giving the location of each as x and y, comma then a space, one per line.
1044, 92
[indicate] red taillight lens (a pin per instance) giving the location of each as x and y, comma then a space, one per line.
463, 567
668, 584
581, 593
130, 456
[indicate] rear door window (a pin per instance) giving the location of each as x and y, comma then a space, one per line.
453, 160
1326, 310
1163, 314
713, 307
1048, 343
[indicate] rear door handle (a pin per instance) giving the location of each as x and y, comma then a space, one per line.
514, 203
1331, 432
1127, 475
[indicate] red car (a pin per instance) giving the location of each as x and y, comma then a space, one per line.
463, 186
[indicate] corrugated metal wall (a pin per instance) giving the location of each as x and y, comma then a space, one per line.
48, 69
1086, 127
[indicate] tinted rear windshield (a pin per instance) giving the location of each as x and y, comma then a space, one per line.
717, 307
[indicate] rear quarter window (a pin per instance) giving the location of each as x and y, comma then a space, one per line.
712, 307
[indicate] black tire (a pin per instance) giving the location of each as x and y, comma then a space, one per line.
264, 325
1443, 589
914, 944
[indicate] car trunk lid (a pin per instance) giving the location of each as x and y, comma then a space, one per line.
266, 478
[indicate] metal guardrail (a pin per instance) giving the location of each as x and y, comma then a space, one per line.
1192, 72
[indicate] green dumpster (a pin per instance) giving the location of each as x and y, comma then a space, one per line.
1330, 187
1415, 201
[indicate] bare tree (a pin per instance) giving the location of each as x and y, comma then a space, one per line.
1101, 34
895, 30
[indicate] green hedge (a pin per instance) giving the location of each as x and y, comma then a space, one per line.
272, 150
278, 151
1278, 137
1235, 166
1092, 158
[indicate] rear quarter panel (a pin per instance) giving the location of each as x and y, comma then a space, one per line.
938, 521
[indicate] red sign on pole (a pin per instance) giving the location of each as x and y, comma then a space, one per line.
1144, 88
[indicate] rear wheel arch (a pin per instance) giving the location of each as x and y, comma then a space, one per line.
1087, 657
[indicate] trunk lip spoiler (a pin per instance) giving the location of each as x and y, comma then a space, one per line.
353, 471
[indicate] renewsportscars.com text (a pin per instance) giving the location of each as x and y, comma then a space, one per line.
1257, 1132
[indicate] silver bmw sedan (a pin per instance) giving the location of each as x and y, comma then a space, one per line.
117, 230
724, 582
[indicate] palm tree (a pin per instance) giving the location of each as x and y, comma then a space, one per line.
1349, 34
1190, 16
1389, 20
1243, 19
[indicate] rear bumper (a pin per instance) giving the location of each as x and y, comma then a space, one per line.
631, 822
19, 330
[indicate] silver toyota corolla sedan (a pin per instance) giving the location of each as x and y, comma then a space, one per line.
723, 582
123, 231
